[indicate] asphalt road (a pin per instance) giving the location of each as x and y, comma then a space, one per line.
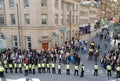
89, 64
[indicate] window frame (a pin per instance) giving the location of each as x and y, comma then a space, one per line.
26, 4
3, 19
11, 3
44, 19
1, 3
43, 3
13, 20
27, 19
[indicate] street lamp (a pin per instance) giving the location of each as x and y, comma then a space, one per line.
18, 26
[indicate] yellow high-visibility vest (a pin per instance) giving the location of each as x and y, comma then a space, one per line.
1, 69
30, 66
15, 65
26, 67
53, 65
67, 66
118, 68
83, 68
10, 65
76, 68
59, 66
20, 65
48, 65
43, 65
91, 50
39, 65
96, 67
33, 66
5, 66
108, 67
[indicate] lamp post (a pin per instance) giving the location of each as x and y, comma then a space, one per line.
18, 26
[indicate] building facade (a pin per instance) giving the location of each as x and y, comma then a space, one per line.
40, 24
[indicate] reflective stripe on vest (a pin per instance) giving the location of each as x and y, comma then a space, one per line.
15, 65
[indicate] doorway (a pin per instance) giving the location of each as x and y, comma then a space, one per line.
44, 45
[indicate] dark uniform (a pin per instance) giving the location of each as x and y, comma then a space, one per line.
20, 67
48, 68
108, 70
67, 69
76, 68
5, 66
30, 68
96, 70
118, 71
82, 70
53, 68
1, 71
59, 69
33, 68
26, 69
15, 67
43, 67
39, 68
11, 68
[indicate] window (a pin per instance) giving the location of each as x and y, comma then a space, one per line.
68, 6
1, 4
76, 7
44, 3
13, 22
28, 42
27, 19
72, 19
26, 3
62, 19
76, 19
1, 19
56, 19
15, 42
11, 3
56, 4
44, 19
62, 5
68, 19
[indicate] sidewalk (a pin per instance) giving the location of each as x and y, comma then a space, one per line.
92, 35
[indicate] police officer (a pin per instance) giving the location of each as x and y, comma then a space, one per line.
15, 67
1, 71
68, 69
33, 68
20, 67
43, 67
53, 68
118, 71
48, 68
108, 70
76, 70
11, 68
30, 68
59, 68
26, 69
5, 66
39, 67
82, 70
95, 69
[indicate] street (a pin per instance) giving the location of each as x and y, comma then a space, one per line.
89, 72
